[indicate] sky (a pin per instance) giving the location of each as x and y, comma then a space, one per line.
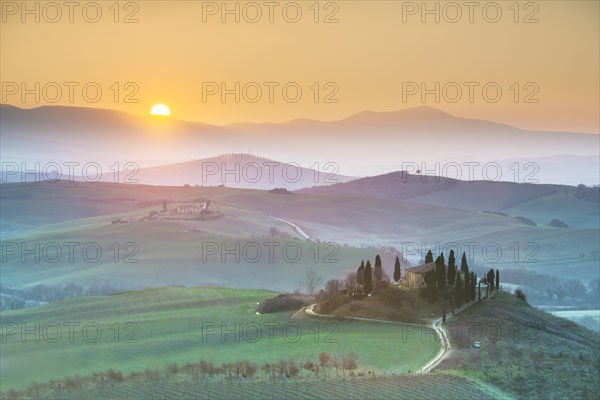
534, 65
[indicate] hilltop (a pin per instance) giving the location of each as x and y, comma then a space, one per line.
524, 351
239, 170
541, 202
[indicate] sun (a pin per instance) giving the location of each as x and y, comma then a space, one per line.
160, 109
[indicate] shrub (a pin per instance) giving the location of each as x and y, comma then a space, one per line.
525, 221
333, 303
520, 294
557, 223
284, 302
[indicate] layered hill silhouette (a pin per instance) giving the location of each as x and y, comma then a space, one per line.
240, 171
366, 143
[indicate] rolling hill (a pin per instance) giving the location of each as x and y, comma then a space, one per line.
362, 144
240, 171
170, 249
539, 202
524, 351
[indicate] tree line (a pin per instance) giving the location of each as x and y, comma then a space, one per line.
284, 368
458, 286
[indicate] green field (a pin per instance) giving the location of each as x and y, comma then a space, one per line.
179, 325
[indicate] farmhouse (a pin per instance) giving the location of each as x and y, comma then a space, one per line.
125, 220
191, 209
415, 276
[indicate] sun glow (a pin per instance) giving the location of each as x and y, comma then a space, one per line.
160, 109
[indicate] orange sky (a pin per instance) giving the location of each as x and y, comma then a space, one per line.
370, 54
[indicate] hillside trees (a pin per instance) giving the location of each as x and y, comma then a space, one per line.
350, 284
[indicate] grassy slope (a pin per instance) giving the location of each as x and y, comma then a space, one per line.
364, 221
535, 354
356, 220
168, 254
170, 322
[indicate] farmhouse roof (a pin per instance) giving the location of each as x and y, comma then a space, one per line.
421, 269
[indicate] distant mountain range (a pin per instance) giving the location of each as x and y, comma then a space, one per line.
366, 143
240, 171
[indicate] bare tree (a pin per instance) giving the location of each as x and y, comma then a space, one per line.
311, 282
298, 287
350, 283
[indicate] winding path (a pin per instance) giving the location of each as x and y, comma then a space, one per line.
295, 227
436, 326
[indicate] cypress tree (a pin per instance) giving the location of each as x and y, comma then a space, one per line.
463, 263
451, 268
360, 274
473, 285
368, 285
430, 282
467, 288
397, 271
490, 280
497, 279
458, 291
429, 257
378, 271
440, 273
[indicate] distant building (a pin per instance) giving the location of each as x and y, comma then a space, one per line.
415, 276
191, 209
126, 220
